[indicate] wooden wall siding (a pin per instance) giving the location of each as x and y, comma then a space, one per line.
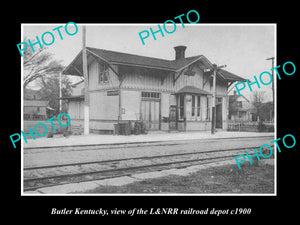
103, 106
152, 80
75, 109
94, 84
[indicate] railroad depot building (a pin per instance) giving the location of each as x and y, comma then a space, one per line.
164, 94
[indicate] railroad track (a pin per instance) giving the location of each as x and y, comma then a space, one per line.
89, 147
52, 175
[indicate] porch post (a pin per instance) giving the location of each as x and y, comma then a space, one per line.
86, 85
213, 120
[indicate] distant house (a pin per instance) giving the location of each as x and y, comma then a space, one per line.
30, 94
35, 109
76, 101
34, 106
240, 108
164, 94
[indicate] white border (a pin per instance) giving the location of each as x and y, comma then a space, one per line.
147, 24
22, 116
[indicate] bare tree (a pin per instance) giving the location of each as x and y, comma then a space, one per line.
50, 91
38, 64
257, 99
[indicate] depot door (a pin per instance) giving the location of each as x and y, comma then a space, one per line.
219, 116
173, 117
150, 114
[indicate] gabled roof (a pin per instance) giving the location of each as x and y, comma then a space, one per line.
120, 58
35, 103
192, 90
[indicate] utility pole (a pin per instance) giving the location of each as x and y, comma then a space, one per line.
60, 93
272, 58
214, 69
86, 84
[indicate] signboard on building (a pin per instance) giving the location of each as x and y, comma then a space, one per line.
112, 93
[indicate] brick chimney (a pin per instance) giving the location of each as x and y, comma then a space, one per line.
179, 52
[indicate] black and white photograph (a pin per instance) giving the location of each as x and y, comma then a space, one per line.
110, 115
184, 113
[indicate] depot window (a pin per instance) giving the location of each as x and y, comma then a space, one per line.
150, 95
102, 73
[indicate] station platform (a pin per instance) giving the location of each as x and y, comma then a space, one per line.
98, 139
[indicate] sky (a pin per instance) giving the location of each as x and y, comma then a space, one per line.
243, 48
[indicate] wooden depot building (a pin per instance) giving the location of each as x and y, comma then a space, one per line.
164, 94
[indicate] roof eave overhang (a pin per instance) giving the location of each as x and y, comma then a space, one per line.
143, 66
67, 68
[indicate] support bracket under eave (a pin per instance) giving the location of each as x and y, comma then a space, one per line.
81, 74
176, 78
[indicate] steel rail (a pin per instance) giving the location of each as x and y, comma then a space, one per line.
135, 158
132, 168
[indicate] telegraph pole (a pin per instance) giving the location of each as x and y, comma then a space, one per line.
272, 58
86, 84
60, 93
214, 69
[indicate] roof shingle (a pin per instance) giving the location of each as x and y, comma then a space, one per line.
121, 58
